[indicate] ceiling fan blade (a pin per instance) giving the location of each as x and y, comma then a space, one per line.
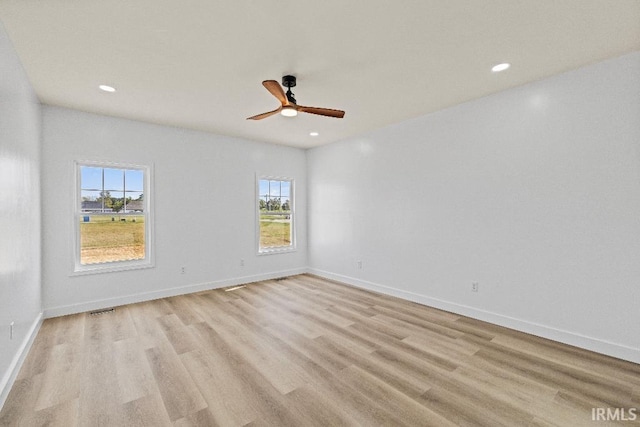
264, 115
322, 111
276, 90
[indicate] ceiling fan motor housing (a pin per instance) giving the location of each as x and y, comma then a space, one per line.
289, 81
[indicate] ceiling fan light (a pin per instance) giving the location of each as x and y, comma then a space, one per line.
289, 112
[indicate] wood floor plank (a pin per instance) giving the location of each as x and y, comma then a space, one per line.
202, 418
306, 351
21, 401
419, 322
69, 329
62, 415
59, 330
361, 408
61, 379
240, 334
227, 398
441, 348
177, 333
145, 320
312, 349
469, 412
179, 393
524, 343
413, 413
148, 410
100, 396
263, 397
402, 346
180, 307
314, 406
527, 396
135, 378
600, 390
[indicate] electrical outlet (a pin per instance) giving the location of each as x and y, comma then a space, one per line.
11, 330
359, 264
183, 270
241, 262
475, 286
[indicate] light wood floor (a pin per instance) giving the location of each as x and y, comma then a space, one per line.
306, 351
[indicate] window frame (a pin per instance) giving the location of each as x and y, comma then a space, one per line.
113, 266
292, 200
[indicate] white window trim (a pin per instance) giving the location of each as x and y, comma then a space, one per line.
276, 250
108, 267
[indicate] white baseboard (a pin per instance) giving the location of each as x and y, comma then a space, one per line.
164, 293
597, 345
12, 372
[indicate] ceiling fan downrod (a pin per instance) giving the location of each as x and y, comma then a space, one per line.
289, 82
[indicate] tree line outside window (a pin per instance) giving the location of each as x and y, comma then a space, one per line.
111, 189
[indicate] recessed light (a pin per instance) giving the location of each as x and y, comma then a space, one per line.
314, 133
500, 67
107, 88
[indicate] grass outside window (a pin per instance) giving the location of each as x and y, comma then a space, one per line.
111, 238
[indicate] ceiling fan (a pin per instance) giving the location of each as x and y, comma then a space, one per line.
290, 107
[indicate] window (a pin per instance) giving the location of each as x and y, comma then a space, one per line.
275, 215
112, 217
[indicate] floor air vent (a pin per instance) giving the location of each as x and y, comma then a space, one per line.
103, 311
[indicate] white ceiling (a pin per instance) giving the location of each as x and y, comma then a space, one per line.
199, 64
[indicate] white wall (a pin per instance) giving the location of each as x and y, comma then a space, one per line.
534, 193
204, 199
19, 213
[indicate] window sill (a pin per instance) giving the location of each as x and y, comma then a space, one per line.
276, 251
109, 268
